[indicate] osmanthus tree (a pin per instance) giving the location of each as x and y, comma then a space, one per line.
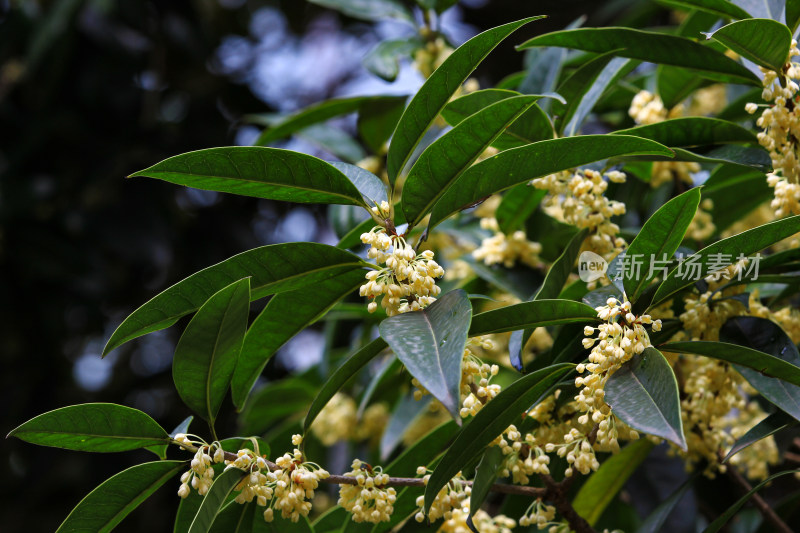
496, 388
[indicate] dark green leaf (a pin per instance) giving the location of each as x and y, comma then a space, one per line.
490, 422
656, 519
441, 164
649, 46
105, 507
602, 486
383, 60
272, 269
183, 427
735, 192
206, 354
531, 315
600, 296
423, 450
187, 508
377, 120
745, 243
284, 316
764, 42
723, 8
92, 427
525, 163
236, 518
369, 185
692, 131
274, 402
739, 355
517, 205
437, 90
403, 416
792, 15
674, 84
519, 280
342, 375
353, 237
270, 173
746, 157
388, 368
717, 524
215, 499
769, 426
643, 393
430, 343
485, 476
373, 10
766, 336
334, 141
658, 240
331, 520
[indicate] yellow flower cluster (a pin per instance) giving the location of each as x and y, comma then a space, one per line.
781, 130
522, 459
200, 475
338, 421
538, 514
406, 282
369, 500
483, 522
506, 249
579, 199
295, 482
448, 499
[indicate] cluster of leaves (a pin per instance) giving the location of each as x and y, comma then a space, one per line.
535, 120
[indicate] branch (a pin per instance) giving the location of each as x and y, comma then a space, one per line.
762, 506
557, 493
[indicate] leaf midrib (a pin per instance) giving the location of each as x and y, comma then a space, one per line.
133, 503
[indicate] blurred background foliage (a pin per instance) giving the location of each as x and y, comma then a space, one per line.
93, 90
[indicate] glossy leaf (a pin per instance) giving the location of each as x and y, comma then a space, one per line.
377, 120
722, 8
335, 141
383, 60
437, 90
658, 239
368, 184
272, 269
643, 393
766, 336
656, 519
274, 402
387, 370
284, 316
517, 205
603, 485
746, 243
763, 41
206, 354
692, 131
105, 507
531, 315
792, 15
342, 375
430, 343
735, 192
215, 499
649, 46
441, 164
674, 84
751, 157
769, 426
270, 173
762, 362
402, 418
236, 518
525, 163
92, 427
161, 449
372, 10
723, 519
490, 422
486, 474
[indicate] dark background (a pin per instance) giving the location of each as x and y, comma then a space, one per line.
91, 91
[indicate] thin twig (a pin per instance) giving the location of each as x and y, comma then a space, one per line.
762, 506
557, 493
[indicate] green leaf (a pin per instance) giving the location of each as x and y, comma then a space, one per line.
353, 237
423, 450
403, 416
792, 15
105, 507
490, 422
762, 362
531, 315
517, 205
674, 84
369, 185
281, 525
525, 163
584, 88
206, 354
602, 486
441, 164
769, 426
692, 131
735, 193
383, 60
717, 524
643, 393
284, 316
387, 370
656, 519
658, 239
723, 8
649, 46
236, 518
161, 449
747, 157
342, 375
532, 126
270, 173
745, 243
92, 427
766, 336
437, 90
764, 42
215, 499
377, 120
272, 269
372, 10
430, 343
187, 508
274, 402
486, 474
